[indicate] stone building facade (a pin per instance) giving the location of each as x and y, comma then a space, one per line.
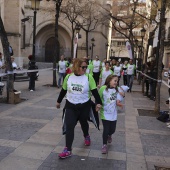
20, 34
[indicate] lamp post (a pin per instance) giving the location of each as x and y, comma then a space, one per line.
143, 31
77, 29
136, 50
35, 4
107, 45
57, 45
111, 52
92, 45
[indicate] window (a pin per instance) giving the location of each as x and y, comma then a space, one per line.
121, 43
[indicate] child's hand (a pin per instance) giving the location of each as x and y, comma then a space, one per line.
122, 94
98, 107
120, 104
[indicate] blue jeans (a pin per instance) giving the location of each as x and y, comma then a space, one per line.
130, 79
61, 76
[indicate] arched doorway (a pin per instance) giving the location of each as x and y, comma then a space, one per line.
49, 49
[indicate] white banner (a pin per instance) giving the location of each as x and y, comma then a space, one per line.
128, 46
75, 45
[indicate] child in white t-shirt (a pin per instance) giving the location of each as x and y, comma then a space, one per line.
108, 113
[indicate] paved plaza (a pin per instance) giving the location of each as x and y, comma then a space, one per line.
31, 134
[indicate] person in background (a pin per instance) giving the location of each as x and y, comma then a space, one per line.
32, 75
103, 63
108, 113
104, 74
153, 83
146, 79
124, 68
62, 65
2, 66
130, 74
167, 102
117, 71
96, 69
78, 86
113, 64
14, 66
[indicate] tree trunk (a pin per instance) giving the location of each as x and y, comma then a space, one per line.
161, 53
57, 45
5, 45
72, 42
87, 43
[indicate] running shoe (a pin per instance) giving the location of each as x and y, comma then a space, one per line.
104, 149
87, 141
65, 154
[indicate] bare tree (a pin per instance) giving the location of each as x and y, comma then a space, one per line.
72, 11
161, 54
5, 45
89, 18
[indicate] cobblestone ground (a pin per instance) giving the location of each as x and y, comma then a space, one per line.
31, 135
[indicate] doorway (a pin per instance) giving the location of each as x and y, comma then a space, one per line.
49, 49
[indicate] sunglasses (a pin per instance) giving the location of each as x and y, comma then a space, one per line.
83, 67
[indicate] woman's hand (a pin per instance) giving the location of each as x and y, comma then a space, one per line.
58, 105
98, 107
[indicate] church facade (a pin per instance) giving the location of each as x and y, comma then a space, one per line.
20, 34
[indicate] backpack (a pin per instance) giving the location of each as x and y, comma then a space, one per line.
164, 116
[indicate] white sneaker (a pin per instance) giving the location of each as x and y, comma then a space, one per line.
168, 126
31, 90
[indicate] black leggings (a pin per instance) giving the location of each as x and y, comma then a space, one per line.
125, 80
109, 128
73, 114
96, 77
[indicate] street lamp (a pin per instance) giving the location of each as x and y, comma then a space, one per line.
92, 45
107, 45
143, 31
77, 29
35, 4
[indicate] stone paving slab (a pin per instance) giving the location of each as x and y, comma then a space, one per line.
33, 130
18, 130
19, 163
5, 151
80, 162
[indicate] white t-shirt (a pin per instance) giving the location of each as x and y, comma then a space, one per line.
109, 108
104, 74
62, 66
130, 69
117, 70
14, 65
96, 65
79, 87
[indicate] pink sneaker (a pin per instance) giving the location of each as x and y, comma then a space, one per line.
109, 139
104, 149
87, 141
65, 153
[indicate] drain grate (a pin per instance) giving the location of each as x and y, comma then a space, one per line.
161, 168
149, 113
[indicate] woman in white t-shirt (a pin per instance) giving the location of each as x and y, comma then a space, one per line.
62, 65
96, 69
104, 74
78, 87
117, 71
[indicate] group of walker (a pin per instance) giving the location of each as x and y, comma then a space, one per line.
86, 76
